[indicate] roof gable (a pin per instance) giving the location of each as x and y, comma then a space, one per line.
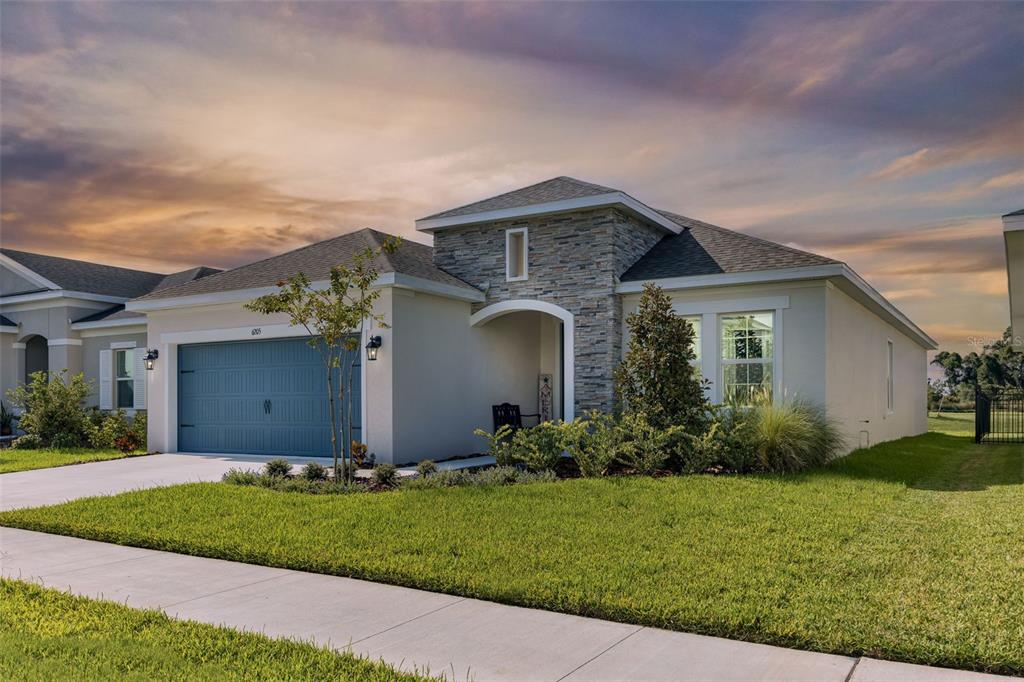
91, 278
706, 249
316, 261
555, 189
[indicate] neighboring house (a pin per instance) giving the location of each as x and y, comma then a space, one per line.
523, 294
60, 313
1013, 235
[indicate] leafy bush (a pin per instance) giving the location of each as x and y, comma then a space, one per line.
241, 477
140, 427
29, 441
105, 428
657, 377
314, 471
384, 476
127, 443
426, 468
358, 452
53, 406
539, 448
280, 468
595, 443
66, 440
7, 419
646, 448
499, 444
792, 435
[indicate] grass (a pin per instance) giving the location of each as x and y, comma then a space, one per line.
51, 635
912, 550
25, 460
952, 423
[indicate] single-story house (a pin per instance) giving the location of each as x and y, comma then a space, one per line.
523, 298
1013, 236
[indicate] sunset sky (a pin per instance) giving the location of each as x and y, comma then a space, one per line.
167, 135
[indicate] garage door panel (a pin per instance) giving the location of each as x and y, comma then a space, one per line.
257, 397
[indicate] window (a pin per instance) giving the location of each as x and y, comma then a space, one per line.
124, 367
890, 401
517, 246
695, 321
747, 356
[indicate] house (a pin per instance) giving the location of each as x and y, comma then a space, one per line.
1013, 236
60, 313
523, 299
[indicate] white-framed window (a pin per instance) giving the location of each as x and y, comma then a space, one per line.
517, 248
124, 378
695, 322
748, 356
890, 365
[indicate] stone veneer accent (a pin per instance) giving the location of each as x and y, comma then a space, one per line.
575, 260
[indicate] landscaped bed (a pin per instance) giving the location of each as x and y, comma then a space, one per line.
912, 550
51, 635
23, 460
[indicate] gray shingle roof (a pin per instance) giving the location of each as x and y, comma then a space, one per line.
92, 278
1013, 213
117, 312
705, 249
316, 261
7, 322
555, 189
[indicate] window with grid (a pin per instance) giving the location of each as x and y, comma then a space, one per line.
747, 356
124, 378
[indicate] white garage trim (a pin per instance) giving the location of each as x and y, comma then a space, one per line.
485, 315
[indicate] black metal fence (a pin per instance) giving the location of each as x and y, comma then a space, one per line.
999, 416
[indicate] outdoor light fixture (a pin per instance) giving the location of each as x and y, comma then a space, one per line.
371, 347
151, 355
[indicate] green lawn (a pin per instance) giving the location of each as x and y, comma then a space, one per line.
952, 423
24, 460
51, 635
912, 550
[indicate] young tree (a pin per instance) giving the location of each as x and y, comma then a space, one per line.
657, 377
335, 317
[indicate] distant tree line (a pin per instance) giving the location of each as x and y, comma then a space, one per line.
998, 365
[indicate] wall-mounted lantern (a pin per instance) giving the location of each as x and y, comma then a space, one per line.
151, 355
372, 346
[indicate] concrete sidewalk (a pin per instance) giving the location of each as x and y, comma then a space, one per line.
461, 638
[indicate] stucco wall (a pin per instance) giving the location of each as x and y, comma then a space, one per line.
802, 330
233, 319
857, 361
574, 262
91, 347
8, 366
13, 283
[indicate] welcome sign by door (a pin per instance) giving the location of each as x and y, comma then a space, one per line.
544, 395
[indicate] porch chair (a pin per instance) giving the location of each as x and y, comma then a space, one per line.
506, 413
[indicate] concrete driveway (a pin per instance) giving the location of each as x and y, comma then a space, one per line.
41, 487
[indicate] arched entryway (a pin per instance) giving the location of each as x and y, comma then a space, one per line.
37, 356
555, 342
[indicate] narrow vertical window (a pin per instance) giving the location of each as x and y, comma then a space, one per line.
517, 247
890, 402
124, 377
695, 322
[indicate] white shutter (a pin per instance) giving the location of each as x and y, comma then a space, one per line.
139, 390
106, 380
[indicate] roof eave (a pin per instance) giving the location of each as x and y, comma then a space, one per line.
551, 207
834, 271
104, 324
60, 293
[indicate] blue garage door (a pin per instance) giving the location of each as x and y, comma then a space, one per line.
258, 397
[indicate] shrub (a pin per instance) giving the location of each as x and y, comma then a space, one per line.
539, 448
241, 477
29, 441
127, 443
105, 428
384, 476
314, 472
656, 377
595, 443
279, 468
66, 440
499, 444
792, 435
493, 476
53, 406
426, 468
358, 451
646, 448
140, 427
